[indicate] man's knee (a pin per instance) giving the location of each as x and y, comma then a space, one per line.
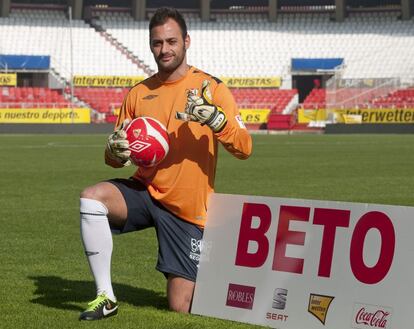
180, 294
111, 197
180, 304
97, 192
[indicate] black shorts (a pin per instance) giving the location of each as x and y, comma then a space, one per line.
178, 241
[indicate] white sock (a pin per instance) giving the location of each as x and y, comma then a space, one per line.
97, 241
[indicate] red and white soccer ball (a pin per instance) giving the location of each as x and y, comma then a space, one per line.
148, 141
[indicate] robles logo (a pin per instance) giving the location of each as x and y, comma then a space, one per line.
371, 316
240, 296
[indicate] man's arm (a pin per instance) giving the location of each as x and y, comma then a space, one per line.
200, 108
220, 113
234, 137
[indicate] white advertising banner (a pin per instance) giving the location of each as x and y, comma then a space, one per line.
303, 264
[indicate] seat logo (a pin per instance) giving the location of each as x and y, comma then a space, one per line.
279, 299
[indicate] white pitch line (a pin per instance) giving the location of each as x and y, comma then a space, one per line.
50, 145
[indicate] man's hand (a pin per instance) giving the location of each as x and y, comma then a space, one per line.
117, 145
201, 109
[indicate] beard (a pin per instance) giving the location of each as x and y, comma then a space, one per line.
172, 65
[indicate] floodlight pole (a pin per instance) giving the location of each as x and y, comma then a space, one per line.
71, 64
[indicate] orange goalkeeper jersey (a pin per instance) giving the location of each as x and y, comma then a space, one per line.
185, 178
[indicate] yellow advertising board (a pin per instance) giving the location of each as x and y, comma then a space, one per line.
106, 80
8, 79
308, 115
254, 115
43, 115
252, 82
352, 118
375, 115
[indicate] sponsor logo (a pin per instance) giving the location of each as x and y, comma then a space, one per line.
91, 253
371, 316
8, 79
279, 298
136, 132
196, 246
138, 146
383, 115
106, 80
276, 316
319, 306
240, 121
278, 303
43, 115
149, 97
243, 82
240, 296
108, 309
192, 92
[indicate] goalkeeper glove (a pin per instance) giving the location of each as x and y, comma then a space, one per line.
201, 109
117, 145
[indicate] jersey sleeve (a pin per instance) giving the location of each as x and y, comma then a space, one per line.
234, 137
127, 109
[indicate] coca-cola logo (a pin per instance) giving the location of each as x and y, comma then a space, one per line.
371, 316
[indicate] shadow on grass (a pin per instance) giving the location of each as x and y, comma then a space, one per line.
64, 294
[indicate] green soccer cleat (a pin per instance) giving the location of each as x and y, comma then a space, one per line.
100, 308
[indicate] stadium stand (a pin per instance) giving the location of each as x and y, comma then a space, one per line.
25, 30
373, 44
31, 97
275, 99
398, 99
104, 100
315, 100
108, 100
362, 38
403, 98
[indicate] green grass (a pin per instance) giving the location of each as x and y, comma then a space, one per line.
45, 280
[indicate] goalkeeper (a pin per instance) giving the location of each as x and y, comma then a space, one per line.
198, 111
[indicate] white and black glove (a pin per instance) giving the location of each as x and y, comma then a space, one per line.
201, 109
117, 145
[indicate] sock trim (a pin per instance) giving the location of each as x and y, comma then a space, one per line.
92, 214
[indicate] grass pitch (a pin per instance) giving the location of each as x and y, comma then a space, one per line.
45, 280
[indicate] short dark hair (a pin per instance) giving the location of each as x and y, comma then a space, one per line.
162, 14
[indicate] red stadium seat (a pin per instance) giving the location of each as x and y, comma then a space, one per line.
272, 98
36, 97
399, 99
102, 99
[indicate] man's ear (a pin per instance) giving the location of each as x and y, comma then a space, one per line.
187, 41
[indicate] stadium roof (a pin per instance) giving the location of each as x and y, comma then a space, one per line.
220, 4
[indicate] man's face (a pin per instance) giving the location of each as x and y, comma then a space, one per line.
168, 46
